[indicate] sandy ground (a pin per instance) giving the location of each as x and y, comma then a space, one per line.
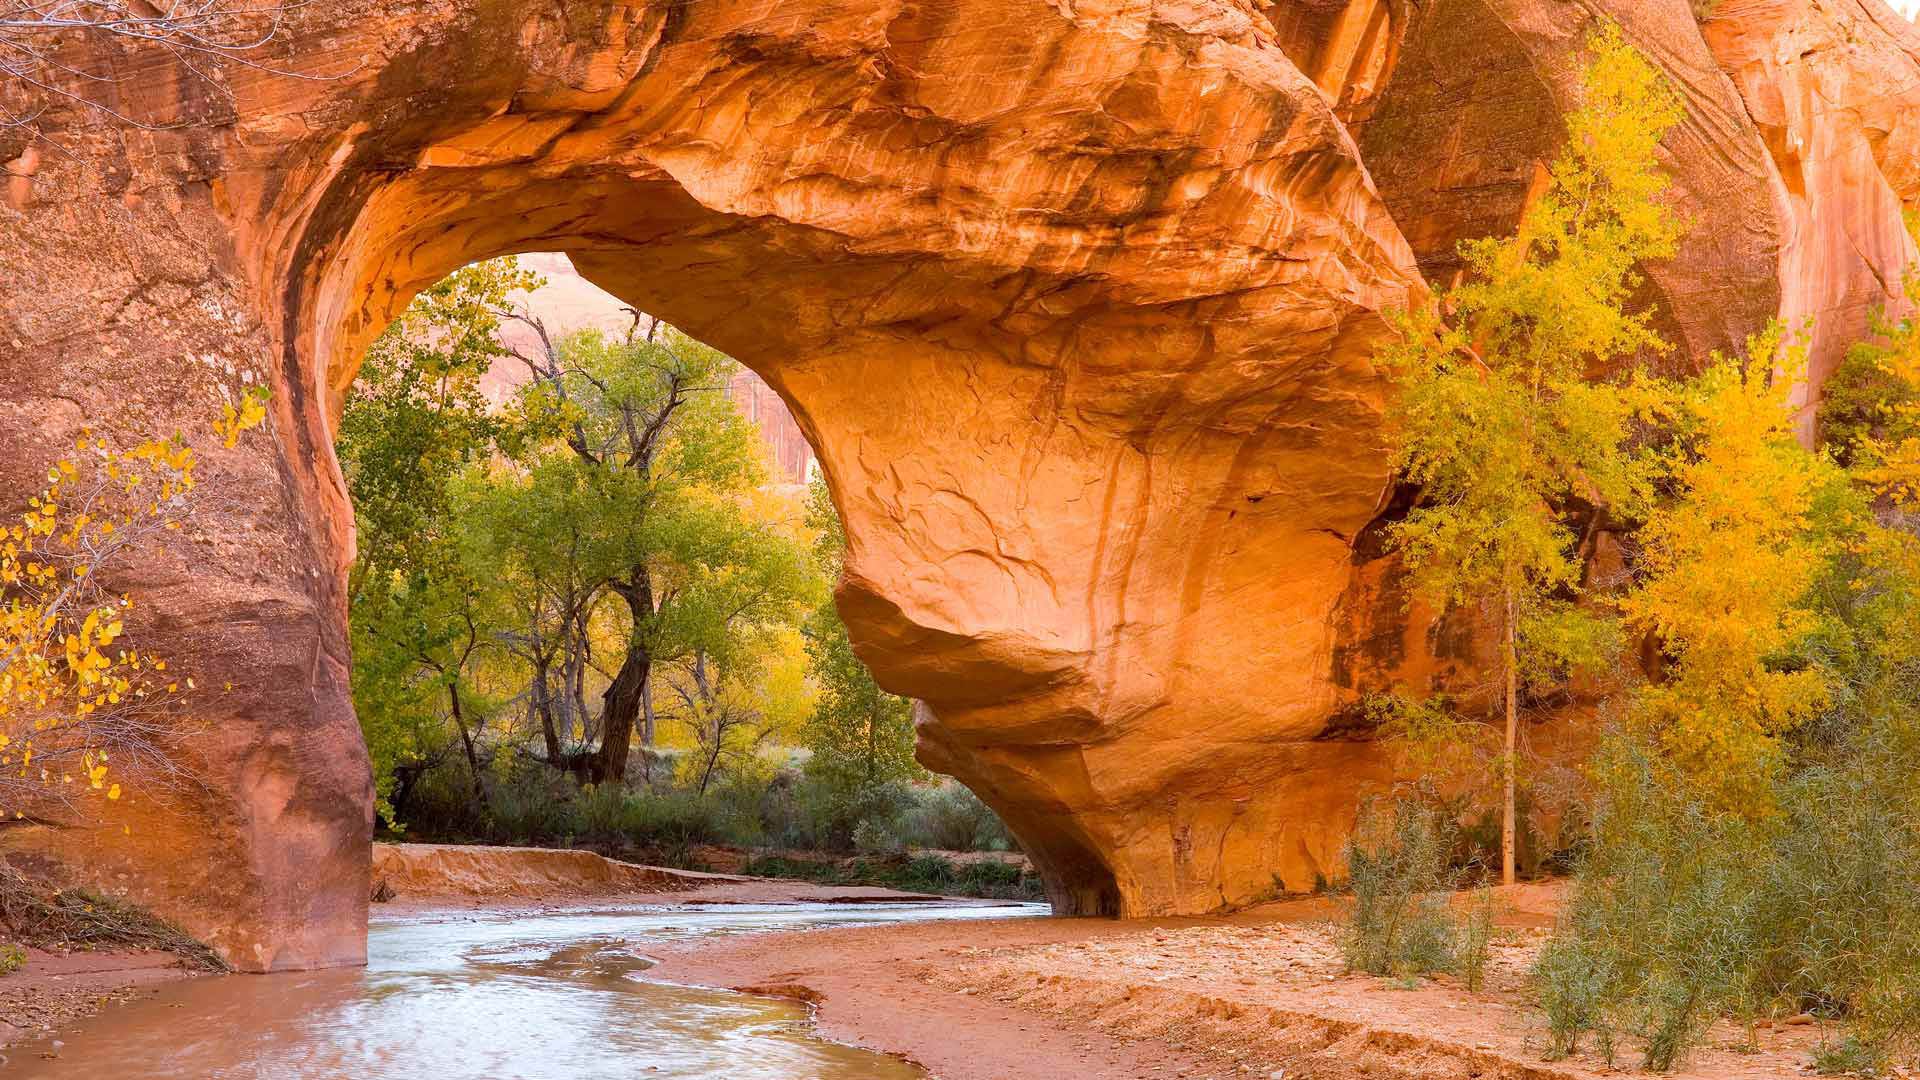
1260, 994
56, 989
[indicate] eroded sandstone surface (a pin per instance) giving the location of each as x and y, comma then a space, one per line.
1075, 302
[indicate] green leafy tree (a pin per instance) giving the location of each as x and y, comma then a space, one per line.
859, 734
660, 475
414, 424
1501, 419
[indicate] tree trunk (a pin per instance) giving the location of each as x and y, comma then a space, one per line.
627, 692
1509, 763
649, 722
713, 757
578, 726
543, 706
466, 740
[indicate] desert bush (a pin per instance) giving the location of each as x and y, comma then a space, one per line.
1848, 1055
929, 873
1658, 938
875, 837
532, 805
1683, 913
1401, 921
1841, 907
832, 812
1475, 939
12, 958
948, 817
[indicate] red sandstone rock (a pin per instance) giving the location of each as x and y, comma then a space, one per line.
1074, 301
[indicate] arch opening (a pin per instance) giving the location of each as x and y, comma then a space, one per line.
530, 459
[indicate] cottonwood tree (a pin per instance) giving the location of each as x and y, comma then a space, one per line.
859, 734
546, 557
640, 438
1727, 563
415, 424
1501, 421
537, 531
728, 725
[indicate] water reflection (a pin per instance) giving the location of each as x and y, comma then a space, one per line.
483, 996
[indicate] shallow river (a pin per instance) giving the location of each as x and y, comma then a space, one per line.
487, 996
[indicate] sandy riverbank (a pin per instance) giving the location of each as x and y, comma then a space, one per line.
413, 877
1260, 994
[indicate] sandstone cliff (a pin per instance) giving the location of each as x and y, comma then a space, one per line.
1075, 302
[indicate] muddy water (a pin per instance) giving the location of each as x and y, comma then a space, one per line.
487, 996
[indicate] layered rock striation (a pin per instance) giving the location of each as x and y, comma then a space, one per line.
1074, 301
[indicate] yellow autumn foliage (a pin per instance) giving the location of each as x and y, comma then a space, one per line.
74, 693
1728, 562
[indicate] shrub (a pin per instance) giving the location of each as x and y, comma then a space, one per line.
1683, 913
876, 838
831, 811
1570, 985
1658, 936
1401, 921
1475, 939
12, 958
985, 878
1848, 1056
949, 817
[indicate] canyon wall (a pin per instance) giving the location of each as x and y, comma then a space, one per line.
1074, 301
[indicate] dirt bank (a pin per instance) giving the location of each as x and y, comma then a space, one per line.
413, 876
1261, 994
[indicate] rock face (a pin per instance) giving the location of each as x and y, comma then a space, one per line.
1077, 318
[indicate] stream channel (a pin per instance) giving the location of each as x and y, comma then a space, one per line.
489, 995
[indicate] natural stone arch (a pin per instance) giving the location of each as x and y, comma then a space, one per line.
1075, 301
1055, 346
1078, 318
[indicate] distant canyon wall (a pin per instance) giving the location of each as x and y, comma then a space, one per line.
1078, 319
